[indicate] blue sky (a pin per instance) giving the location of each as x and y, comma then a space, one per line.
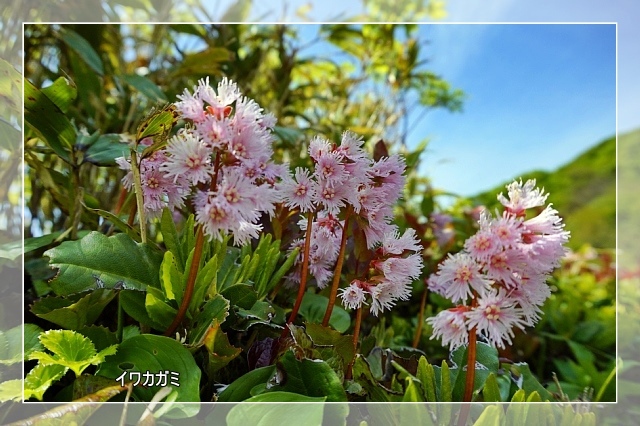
537, 95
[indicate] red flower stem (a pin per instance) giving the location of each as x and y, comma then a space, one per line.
356, 335
423, 302
303, 274
471, 358
338, 270
191, 280
195, 263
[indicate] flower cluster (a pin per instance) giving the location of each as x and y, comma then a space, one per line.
346, 180
499, 279
221, 158
397, 264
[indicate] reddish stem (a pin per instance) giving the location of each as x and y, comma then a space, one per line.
338, 270
356, 335
303, 274
423, 302
191, 280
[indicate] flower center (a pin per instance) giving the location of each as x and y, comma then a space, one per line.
328, 193
217, 214
301, 190
193, 162
232, 195
153, 183
463, 274
492, 312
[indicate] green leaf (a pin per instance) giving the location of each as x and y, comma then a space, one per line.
313, 307
491, 391
486, 356
214, 311
105, 150
157, 125
260, 313
240, 389
241, 295
83, 49
130, 231
206, 62
48, 121
270, 414
99, 259
11, 390
145, 86
147, 352
528, 381
160, 311
412, 393
133, 303
493, 415
62, 92
308, 377
282, 270
71, 350
75, 311
170, 237
341, 344
11, 343
427, 376
87, 386
446, 393
220, 351
101, 336
171, 278
40, 378
10, 87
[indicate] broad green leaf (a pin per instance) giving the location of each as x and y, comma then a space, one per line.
147, 352
159, 310
260, 313
314, 306
241, 295
486, 356
157, 125
48, 121
8, 134
215, 310
491, 391
11, 390
75, 311
133, 303
493, 415
145, 86
71, 350
40, 378
96, 259
220, 351
528, 381
10, 87
240, 388
341, 344
308, 377
105, 149
83, 49
101, 336
299, 414
11, 343
62, 93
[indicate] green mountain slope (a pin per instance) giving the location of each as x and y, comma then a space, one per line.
583, 191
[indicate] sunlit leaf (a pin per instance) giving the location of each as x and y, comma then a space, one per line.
71, 350
145, 86
155, 354
83, 49
100, 260
75, 311
314, 306
268, 414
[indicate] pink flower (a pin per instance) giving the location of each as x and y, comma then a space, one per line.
188, 158
458, 275
401, 270
300, 192
494, 317
450, 326
393, 243
482, 245
522, 197
353, 297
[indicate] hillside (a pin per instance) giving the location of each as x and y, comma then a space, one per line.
584, 191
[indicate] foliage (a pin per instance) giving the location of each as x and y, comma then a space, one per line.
105, 294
